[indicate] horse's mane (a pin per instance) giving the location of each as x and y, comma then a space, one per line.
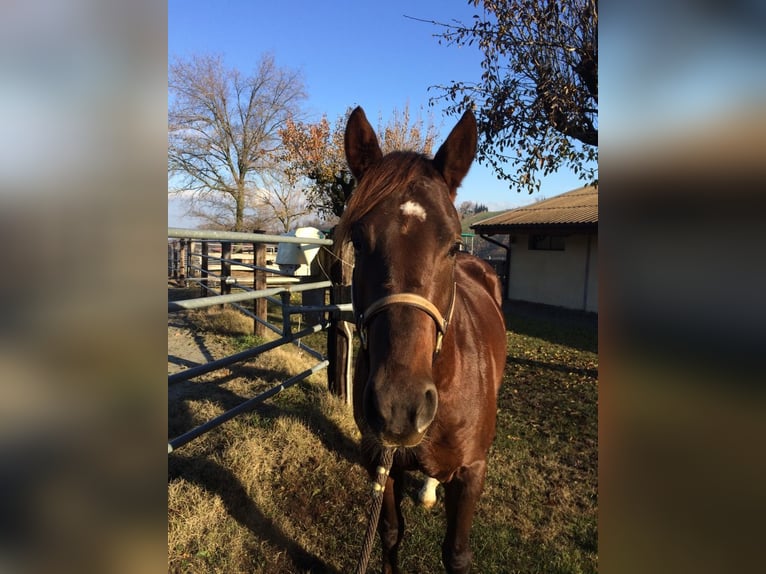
393, 172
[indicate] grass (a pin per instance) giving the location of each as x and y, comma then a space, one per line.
224, 321
280, 490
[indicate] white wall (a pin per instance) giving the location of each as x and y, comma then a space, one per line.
592, 286
556, 277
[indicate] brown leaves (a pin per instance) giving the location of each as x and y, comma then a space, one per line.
314, 151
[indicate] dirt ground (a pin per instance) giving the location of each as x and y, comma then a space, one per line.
188, 347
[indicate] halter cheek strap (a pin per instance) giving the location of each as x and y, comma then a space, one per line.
410, 300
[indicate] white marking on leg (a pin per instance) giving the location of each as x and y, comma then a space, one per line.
427, 494
414, 209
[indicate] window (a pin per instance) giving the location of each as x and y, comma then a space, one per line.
546, 243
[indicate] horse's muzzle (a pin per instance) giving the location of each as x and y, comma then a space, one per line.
399, 415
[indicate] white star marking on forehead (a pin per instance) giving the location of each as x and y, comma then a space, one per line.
414, 209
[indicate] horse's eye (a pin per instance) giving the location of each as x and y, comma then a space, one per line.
457, 246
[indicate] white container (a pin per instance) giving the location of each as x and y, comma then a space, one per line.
296, 258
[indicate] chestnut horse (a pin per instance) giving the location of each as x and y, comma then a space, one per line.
431, 326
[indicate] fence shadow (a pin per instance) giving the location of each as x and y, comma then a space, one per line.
562, 368
220, 481
181, 362
181, 420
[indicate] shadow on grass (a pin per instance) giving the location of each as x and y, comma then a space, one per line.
220, 481
592, 373
181, 362
301, 402
556, 325
180, 419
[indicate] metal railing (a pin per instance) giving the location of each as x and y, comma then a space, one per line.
181, 268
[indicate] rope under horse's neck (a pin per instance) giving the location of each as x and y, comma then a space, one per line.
378, 487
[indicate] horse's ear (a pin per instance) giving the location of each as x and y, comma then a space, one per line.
361, 143
456, 154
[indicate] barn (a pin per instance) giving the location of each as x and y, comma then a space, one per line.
551, 250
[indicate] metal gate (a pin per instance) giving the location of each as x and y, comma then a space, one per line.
209, 259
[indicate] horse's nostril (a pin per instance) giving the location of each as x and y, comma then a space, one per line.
373, 413
431, 398
427, 410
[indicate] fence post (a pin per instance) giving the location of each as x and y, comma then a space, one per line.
182, 261
189, 259
204, 265
191, 265
314, 297
225, 267
172, 260
287, 325
259, 282
339, 333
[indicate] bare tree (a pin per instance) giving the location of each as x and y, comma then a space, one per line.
223, 130
285, 202
466, 208
215, 211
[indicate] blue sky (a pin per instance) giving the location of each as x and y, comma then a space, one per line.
350, 53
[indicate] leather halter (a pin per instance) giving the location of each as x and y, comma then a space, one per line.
410, 300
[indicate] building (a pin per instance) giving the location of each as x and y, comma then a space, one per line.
551, 250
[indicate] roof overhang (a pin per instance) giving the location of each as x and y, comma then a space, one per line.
535, 228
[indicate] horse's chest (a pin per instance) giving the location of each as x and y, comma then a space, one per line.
440, 457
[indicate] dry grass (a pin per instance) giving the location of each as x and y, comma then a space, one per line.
279, 489
226, 321
257, 492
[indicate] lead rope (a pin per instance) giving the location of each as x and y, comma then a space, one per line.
378, 487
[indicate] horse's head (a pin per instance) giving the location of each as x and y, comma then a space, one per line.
406, 232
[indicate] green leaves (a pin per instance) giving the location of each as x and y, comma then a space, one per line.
538, 86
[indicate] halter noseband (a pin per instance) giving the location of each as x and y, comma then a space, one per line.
411, 300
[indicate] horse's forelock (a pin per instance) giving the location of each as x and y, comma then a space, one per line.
393, 172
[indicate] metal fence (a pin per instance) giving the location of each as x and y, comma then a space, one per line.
213, 260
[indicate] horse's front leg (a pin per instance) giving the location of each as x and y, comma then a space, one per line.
460, 497
391, 523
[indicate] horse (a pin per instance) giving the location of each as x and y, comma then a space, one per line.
430, 321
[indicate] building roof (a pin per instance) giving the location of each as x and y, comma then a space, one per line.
576, 207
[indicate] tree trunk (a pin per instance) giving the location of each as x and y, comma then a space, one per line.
240, 213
